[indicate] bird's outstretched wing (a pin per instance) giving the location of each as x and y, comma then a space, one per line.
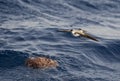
90, 37
64, 30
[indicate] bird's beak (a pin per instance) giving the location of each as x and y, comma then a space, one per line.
64, 30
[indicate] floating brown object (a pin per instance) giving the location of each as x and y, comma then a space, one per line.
41, 62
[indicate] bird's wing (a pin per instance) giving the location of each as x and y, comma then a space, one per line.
64, 30
90, 37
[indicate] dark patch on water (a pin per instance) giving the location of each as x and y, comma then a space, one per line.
10, 59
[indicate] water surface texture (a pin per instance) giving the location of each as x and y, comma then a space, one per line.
28, 28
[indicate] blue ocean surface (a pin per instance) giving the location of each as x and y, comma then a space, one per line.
29, 28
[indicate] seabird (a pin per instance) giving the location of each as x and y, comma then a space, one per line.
78, 33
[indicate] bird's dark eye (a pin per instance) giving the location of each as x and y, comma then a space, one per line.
71, 30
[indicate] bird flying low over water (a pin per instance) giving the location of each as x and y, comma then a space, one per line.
79, 32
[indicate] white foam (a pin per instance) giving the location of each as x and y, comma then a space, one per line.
16, 24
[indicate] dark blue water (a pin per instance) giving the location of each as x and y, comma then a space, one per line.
28, 28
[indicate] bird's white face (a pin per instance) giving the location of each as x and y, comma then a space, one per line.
78, 32
75, 33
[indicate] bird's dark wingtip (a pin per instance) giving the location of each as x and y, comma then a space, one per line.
92, 38
96, 40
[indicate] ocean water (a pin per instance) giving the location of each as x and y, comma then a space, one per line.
28, 28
